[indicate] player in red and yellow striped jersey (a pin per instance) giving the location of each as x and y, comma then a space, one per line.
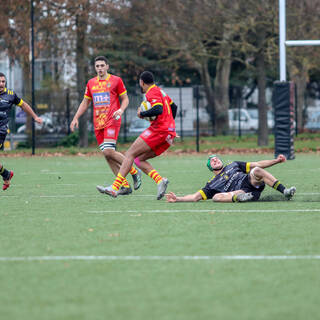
105, 91
154, 140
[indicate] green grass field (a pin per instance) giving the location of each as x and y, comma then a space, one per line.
157, 260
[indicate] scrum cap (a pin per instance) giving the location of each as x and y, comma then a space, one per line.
208, 162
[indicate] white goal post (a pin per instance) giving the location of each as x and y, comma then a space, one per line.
283, 42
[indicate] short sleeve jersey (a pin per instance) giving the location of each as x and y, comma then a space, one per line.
229, 179
8, 98
164, 121
105, 98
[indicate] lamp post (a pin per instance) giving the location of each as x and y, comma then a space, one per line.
32, 74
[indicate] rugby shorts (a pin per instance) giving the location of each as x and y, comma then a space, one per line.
107, 133
246, 186
2, 139
158, 141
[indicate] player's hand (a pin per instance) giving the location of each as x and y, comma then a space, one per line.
74, 124
38, 120
171, 197
281, 158
117, 114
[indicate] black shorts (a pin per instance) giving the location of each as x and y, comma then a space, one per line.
246, 186
2, 139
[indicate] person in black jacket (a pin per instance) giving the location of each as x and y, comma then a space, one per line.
8, 99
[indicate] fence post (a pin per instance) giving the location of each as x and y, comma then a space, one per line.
68, 109
197, 94
181, 114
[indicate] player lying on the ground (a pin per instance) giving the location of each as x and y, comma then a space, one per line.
237, 182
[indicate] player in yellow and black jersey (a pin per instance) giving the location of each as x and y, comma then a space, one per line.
8, 99
237, 182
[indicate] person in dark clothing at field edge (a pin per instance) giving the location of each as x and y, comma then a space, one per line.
8, 98
237, 182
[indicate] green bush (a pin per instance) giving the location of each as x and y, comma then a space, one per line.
72, 140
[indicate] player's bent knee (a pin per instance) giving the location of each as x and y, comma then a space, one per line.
108, 148
257, 173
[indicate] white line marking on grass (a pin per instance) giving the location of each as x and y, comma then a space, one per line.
158, 258
206, 210
309, 194
83, 196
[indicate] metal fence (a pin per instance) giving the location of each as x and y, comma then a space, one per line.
57, 108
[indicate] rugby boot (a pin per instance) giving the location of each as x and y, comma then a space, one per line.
137, 179
6, 183
123, 191
108, 190
243, 197
162, 187
289, 193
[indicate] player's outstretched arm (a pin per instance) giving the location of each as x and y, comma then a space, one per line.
268, 163
84, 105
171, 197
26, 108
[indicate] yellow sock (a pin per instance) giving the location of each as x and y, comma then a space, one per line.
118, 182
125, 183
153, 174
133, 170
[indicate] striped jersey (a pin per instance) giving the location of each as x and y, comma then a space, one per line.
164, 121
8, 98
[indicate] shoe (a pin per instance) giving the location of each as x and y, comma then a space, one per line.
123, 191
137, 179
108, 190
243, 197
289, 193
6, 183
162, 187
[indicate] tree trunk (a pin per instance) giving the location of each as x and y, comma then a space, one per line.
301, 84
221, 90
263, 138
81, 25
206, 81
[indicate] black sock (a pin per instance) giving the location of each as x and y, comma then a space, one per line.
4, 173
278, 186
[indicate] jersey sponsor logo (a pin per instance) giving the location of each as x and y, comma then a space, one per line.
234, 177
100, 120
3, 100
101, 99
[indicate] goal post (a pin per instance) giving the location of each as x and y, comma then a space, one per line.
284, 91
